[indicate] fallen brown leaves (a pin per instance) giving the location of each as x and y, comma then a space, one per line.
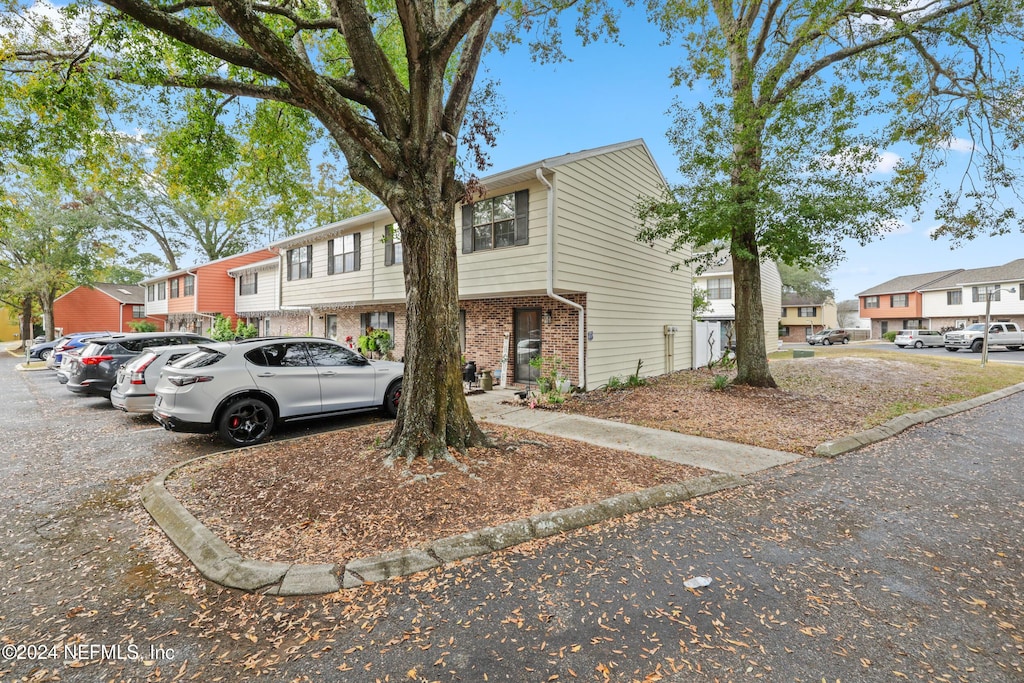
329, 498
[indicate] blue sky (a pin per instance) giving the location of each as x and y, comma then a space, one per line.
611, 93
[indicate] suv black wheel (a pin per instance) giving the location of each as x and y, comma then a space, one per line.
245, 421
391, 399
826, 342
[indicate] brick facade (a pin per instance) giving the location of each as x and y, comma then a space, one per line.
486, 322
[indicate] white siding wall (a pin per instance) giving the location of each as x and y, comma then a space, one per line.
933, 305
322, 288
265, 298
719, 307
509, 270
771, 301
632, 291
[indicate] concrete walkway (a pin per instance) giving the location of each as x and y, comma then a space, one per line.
719, 456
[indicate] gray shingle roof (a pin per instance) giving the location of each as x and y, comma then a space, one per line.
1007, 273
909, 283
126, 294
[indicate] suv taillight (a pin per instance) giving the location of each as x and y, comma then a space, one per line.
139, 373
95, 360
185, 380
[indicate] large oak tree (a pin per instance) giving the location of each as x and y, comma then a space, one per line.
390, 82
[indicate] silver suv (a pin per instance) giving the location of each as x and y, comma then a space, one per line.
242, 389
828, 337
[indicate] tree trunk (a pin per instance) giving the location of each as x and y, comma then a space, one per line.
751, 354
26, 323
433, 413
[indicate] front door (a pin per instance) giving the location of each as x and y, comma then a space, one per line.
527, 343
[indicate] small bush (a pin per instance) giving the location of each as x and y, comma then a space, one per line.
614, 382
720, 382
890, 336
142, 326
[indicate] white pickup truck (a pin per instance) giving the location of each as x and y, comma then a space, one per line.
973, 337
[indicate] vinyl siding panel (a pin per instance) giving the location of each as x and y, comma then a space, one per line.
215, 289
771, 302
509, 270
265, 298
322, 289
632, 291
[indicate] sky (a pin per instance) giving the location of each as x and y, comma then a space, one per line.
612, 93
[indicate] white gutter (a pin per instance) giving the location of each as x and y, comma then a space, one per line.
581, 332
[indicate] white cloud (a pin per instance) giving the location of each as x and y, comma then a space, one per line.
864, 161
959, 145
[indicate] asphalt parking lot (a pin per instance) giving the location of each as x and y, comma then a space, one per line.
901, 561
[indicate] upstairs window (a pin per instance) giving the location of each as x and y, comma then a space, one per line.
899, 300
501, 221
954, 297
978, 294
161, 291
871, 302
720, 288
807, 312
343, 254
300, 263
247, 284
190, 285
392, 245
175, 283
150, 292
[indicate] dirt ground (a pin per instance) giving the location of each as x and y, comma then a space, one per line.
328, 498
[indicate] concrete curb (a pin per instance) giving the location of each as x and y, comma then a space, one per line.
831, 449
219, 563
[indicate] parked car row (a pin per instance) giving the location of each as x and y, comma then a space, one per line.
240, 389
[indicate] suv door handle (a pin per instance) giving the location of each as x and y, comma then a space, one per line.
266, 374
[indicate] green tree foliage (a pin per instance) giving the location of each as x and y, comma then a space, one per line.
810, 282
390, 83
47, 246
799, 98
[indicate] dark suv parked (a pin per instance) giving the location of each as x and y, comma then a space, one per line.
94, 371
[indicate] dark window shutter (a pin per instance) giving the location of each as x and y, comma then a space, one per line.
255, 283
364, 321
523, 217
330, 257
240, 284
289, 264
467, 228
389, 246
355, 246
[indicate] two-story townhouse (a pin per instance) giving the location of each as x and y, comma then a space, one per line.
190, 299
258, 302
717, 281
549, 265
101, 306
897, 304
802, 316
961, 298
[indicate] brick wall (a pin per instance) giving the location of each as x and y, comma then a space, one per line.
487, 320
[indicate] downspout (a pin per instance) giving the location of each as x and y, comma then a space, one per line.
195, 296
581, 332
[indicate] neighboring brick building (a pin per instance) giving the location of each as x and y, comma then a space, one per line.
102, 306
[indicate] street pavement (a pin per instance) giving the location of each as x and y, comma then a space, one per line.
901, 561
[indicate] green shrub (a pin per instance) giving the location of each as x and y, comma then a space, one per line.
720, 382
890, 336
142, 326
